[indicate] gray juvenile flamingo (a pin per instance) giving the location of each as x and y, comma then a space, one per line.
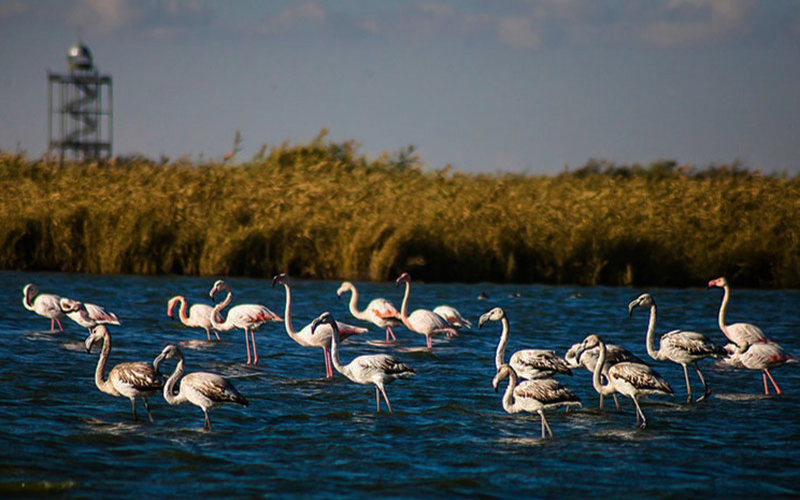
679, 346
588, 359
130, 380
203, 389
375, 369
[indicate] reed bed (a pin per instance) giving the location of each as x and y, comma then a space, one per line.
323, 210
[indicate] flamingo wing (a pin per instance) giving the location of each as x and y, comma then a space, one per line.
641, 377
540, 360
383, 309
693, 343
100, 315
214, 387
546, 391
137, 375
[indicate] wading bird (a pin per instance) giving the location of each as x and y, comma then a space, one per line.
199, 315
203, 389
634, 380
452, 316
304, 337
376, 369
130, 380
379, 312
738, 333
588, 359
533, 396
422, 321
248, 317
87, 315
527, 363
759, 356
43, 304
679, 346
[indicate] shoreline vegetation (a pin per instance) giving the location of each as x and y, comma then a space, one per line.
323, 210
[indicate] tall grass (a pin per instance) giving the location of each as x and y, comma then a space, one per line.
323, 210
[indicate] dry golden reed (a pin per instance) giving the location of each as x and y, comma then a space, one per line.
323, 210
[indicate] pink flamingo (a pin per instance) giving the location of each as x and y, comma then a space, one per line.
738, 333
305, 337
43, 304
199, 315
452, 316
758, 356
249, 317
422, 321
379, 312
87, 315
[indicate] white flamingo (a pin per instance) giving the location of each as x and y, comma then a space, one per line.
203, 389
533, 396
199, 315
43, 304
452, 316
422, 321
588, 359
304, 337
758, 356
87, 315
738, 333
375, 369
379, 312
527, 363
634, 380
130, 380
248, 317
679, 346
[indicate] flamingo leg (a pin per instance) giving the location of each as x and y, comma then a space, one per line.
777, 389
639, 413
247, 343
52, 324
377, 400
385, 398
207, 423
616, 400
208, 333
764, 376
147, 407
60, 328
430, 344
255, 353
601, 402
217, 334
133, 408
390, 335
326, 354
706, 390
545, 425
688, 384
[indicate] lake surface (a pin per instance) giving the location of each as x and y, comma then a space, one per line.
304, 436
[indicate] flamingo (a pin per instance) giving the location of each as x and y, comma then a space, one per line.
130, 380
738, 333
533, 396
452, 316
679, 346
249, 317
203, 389
588, 359
528, 363
422, 321
759, 356
87, 315
376, 369
379, 312
199, 314
304, 337
634, 380
43, 304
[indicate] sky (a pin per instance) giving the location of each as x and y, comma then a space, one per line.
529, 86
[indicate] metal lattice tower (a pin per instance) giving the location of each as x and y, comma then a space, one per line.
80, 108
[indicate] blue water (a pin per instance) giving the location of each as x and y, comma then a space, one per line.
304, 436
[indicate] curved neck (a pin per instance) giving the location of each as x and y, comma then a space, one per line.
100, 380
335, 350
605, 390
723, 308
217, 313
354, 304
651, 335
501, 345
173, 379
287, 313
508, 397
182, 310
27, 300
404, 306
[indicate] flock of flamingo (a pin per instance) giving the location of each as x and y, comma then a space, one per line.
531, 387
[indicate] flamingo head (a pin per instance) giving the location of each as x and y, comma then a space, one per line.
503, 372
324, 318
343, 288
571, 356
171, 304
169, 352
96, 333
68, 305
720, 282
644, 300
590, 342
219, 285
282, 278
404, 278
495, 314
29, 292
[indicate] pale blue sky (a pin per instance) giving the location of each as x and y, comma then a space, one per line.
522, 86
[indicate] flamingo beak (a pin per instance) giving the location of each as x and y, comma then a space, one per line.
157, 362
